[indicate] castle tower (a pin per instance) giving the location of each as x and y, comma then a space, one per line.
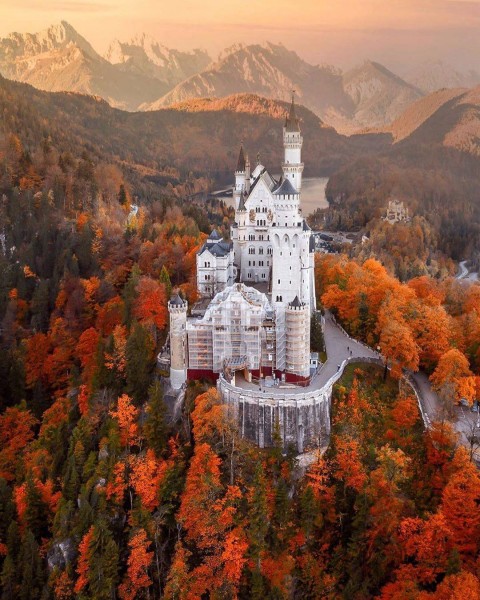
297, 338
177, 309
292, 143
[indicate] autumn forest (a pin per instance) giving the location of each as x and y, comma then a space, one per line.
104, 495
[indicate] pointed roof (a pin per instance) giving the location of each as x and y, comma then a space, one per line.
241, 204
215, 236
285, 188
292, 123
241, 159
296, 303
176, 300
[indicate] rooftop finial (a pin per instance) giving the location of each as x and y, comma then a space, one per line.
258, 158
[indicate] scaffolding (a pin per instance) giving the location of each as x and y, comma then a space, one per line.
231, 328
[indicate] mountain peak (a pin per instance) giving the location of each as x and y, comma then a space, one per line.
57, 36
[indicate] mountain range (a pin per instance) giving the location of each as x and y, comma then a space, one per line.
60, 59
142, 74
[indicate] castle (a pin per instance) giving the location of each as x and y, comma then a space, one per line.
258, 294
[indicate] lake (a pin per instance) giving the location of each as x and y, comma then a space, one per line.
313, 195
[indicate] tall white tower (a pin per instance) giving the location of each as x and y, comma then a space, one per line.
177, 309
292, 143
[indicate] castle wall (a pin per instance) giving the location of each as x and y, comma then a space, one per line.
303, 417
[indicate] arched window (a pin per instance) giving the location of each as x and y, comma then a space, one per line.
251, 250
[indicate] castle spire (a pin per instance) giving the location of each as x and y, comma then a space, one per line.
291, 122
241, 159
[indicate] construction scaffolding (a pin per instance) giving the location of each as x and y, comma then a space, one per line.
231, 328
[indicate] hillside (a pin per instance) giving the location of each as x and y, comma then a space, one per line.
454, 124
433, 167
199, 137
418, 112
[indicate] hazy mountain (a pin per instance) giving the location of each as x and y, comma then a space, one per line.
145, 56
453, 123
435, 75
144, 75
420, 111
60, 59
378, 95
367, 96
269, 70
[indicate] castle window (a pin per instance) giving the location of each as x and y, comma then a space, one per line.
279, 281
251, 237
269, 250
251, 250
260, 250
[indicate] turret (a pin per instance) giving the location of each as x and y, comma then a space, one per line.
292, 144
297, 334
177, 309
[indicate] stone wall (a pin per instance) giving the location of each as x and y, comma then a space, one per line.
303, 417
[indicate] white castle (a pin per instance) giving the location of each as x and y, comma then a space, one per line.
260, 285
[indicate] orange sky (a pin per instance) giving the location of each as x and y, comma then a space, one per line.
396, 32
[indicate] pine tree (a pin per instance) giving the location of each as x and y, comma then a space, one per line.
103, 565
8, 579
129, 295
32, 571
258, 515
139, 355
36, 513
155, 426
122, 195
165, 279
7, 508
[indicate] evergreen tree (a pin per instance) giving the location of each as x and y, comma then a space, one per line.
165, 279
8, 579
122, 195
36, 512
7, 509
139, 355
103, 564
129, 294
40, 307
258, 515
31, 568
155, 425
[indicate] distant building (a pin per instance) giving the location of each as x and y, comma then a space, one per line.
396, 212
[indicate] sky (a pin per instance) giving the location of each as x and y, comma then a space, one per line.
398, 33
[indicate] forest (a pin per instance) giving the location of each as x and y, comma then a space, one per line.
102, 496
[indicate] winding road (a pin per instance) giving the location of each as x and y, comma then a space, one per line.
340, 346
